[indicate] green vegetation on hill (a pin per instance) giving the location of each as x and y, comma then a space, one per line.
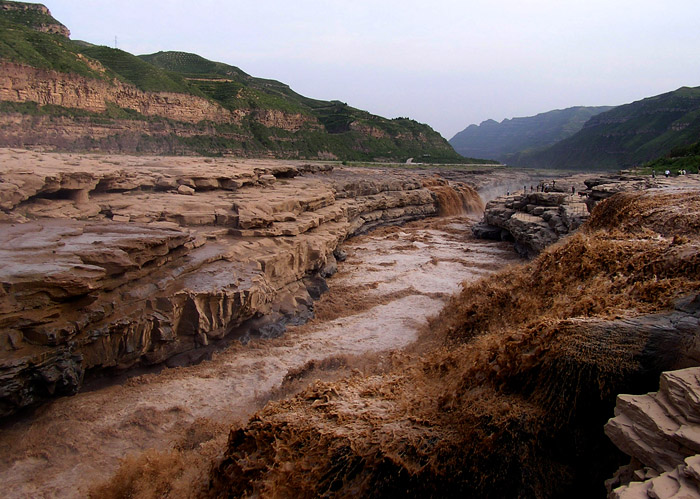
228, 85
342, 134
628, 135
680, 158
30, 15
202, 70
25, 45
269, 117
504, 140
142, 75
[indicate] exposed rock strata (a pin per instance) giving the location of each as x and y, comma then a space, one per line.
661, 431
49, 25
20, 83
84, 134
516, 403
605, 186
534, 220
115, 262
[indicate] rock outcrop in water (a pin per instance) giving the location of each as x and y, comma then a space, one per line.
110, 263
534, 220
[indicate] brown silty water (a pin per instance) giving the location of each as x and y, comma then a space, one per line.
393, 280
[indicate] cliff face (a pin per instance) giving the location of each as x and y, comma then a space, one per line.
291, 122
112, 263
20, 83
189, 123
212, 108
35, 16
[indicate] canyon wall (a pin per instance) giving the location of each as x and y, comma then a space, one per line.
111, 263
39, 17
21, 83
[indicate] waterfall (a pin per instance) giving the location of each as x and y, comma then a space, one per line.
454, 198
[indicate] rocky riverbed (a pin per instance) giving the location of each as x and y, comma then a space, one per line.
391, 281
111, 263
535, 218
175, 297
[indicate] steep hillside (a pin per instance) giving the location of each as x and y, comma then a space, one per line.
627, 135
502, 141
76, 96
679, 158
235, 90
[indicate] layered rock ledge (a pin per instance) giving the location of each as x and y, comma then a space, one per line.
535, 219
115, 262
661, 432
532, 220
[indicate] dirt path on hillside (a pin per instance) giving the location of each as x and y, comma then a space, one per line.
391, 282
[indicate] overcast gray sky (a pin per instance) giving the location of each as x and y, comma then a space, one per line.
447, 63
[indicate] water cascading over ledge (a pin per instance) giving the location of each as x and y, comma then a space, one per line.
158, 260
513, 402
455, 198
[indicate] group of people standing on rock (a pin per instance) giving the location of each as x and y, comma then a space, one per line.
545, 186
541, 187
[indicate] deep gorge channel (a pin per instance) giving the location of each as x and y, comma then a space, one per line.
379, 301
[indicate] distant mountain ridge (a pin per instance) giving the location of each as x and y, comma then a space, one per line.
505, 140
77, 96
627, 135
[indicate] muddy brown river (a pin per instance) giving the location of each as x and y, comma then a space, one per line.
380, 300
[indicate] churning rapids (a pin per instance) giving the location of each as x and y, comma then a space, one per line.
380, 300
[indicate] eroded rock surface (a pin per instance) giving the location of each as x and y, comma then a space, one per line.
661, 431
533, 220
513, 403
536, 219
111, 262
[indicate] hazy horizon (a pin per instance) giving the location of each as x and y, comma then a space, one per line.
448, 64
